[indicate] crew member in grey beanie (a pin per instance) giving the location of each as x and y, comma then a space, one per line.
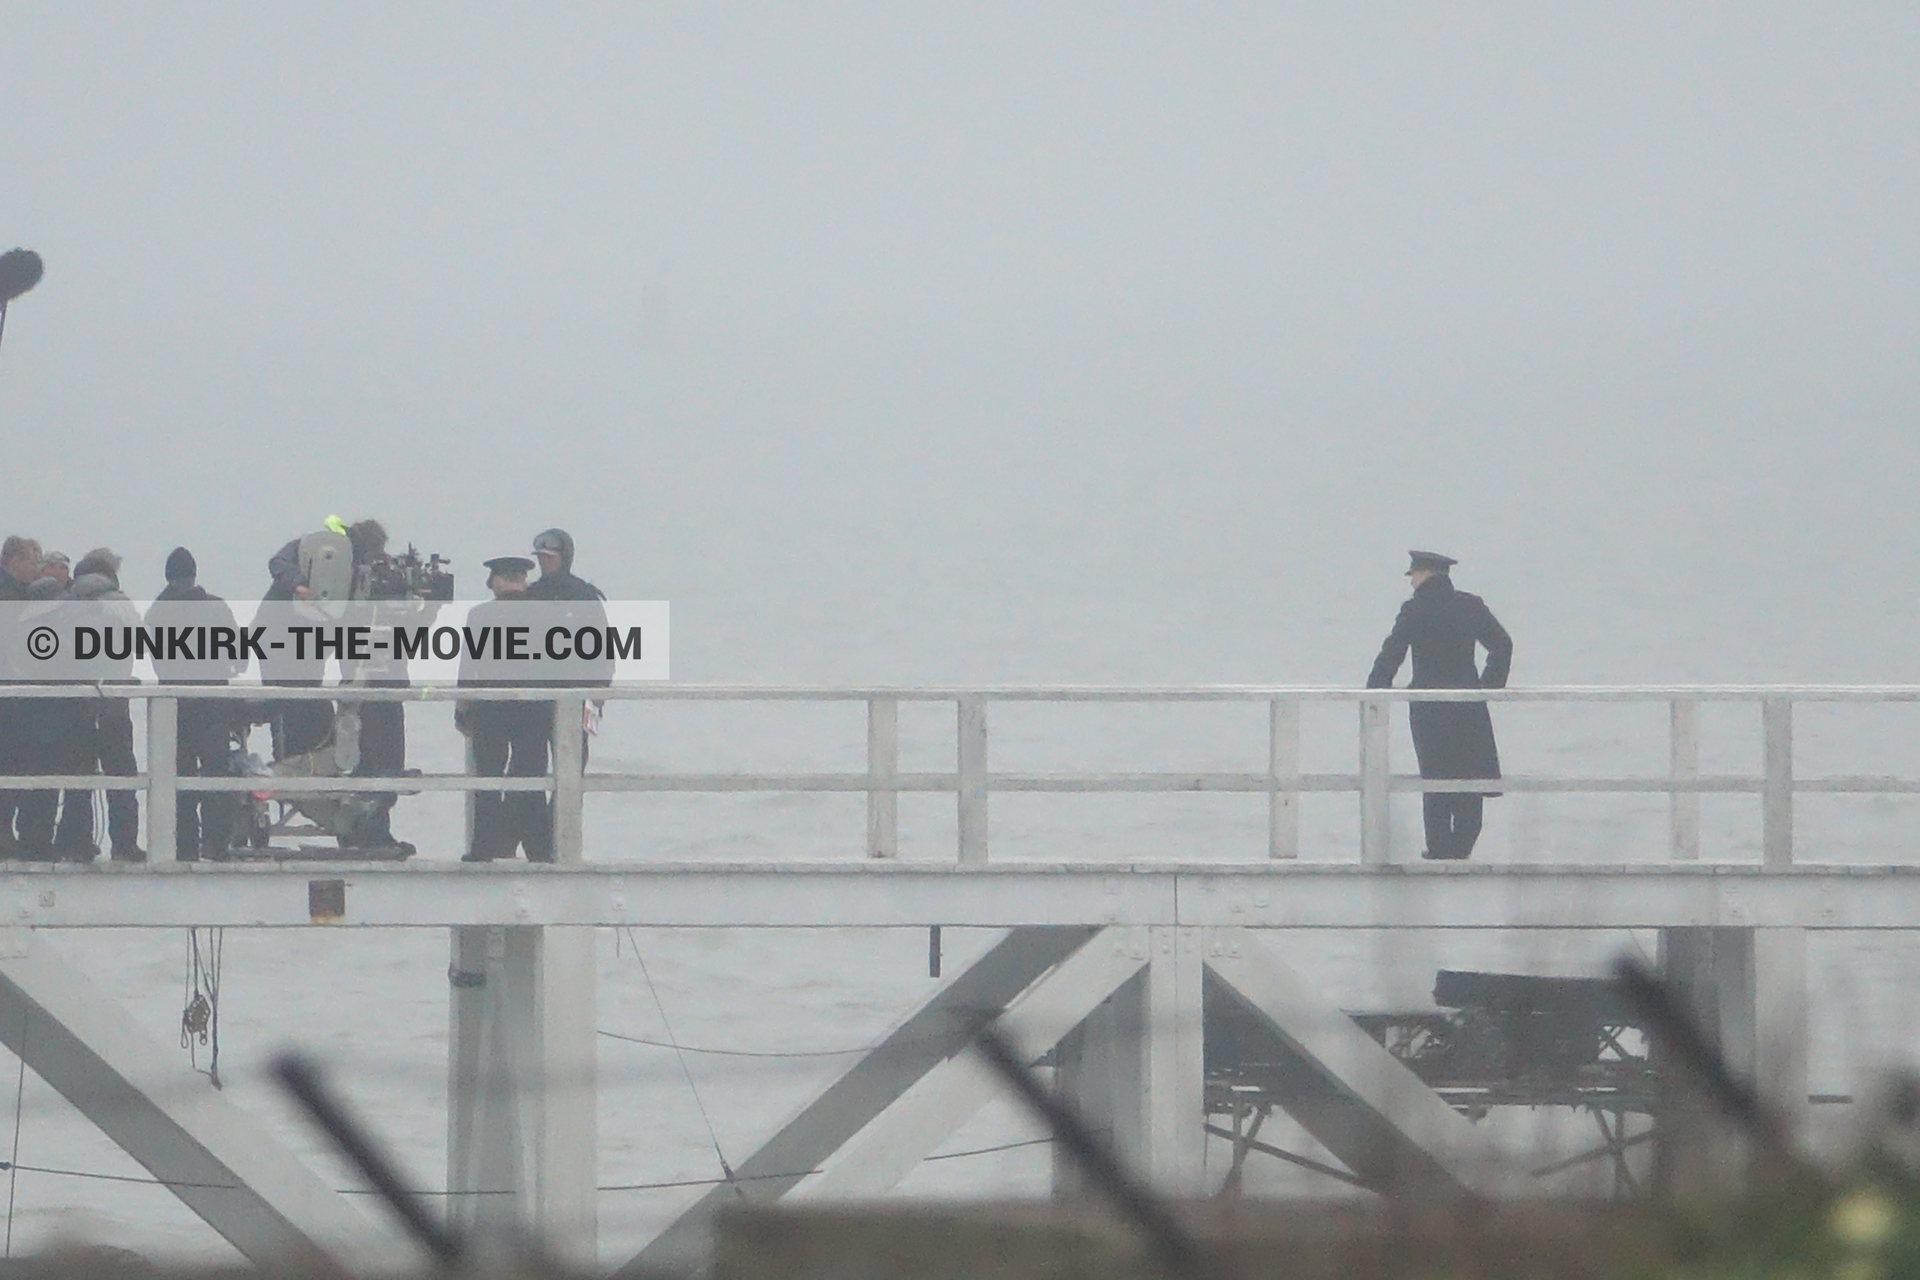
102, 561
181, 566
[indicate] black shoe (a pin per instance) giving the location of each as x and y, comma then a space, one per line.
1430, 856
127, 853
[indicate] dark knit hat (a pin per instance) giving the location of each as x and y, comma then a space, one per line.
181, 566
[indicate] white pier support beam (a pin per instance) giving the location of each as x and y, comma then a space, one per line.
1781, 1026
482, 1132
522, 1128
1747, 991
1176, 1151
216, 1158
1135, 1070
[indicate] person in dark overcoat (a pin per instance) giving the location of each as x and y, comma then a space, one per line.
509, 739
1441, 626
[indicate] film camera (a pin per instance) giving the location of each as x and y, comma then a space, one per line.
410, 576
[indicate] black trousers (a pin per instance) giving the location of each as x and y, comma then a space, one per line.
59, 738
383, 740
510, 741
15, 760
113, 732
383, 754
1453, 823
101, 737
204, 820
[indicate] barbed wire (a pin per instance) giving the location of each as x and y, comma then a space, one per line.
738, 1053
8, 1166
713, 1135
11, 1166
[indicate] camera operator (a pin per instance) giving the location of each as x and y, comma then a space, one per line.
324, 572
303, 726
405, 590
290, 571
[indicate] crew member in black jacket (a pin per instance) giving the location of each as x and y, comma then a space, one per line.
205, 822
1452, 739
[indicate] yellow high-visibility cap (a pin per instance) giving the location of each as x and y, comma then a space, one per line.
336, 525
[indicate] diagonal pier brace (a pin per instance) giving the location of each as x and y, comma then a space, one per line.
933, 1033
951, 1094
253, 1191
1355, 1098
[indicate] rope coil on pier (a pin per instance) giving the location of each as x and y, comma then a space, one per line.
200, 1013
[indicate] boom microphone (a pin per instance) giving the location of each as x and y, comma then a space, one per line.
20, 270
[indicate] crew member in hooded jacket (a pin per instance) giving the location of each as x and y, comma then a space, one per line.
1441, 626
553, 552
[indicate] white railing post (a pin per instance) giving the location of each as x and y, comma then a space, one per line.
1283, 778
569, 793
163, 778
1683, 807
1375, 818
972, 780
1776, 826
883, 764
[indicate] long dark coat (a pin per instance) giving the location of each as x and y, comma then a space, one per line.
1441, 626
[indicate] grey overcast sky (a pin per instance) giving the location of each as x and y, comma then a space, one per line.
999, 341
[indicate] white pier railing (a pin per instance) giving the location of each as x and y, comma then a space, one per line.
1153, 937
972, 781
